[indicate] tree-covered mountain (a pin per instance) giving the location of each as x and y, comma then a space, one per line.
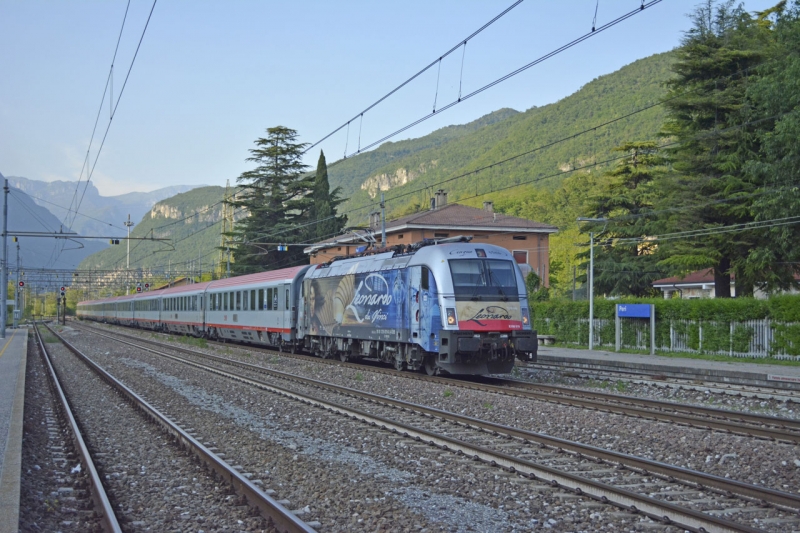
191, 223
56, 196
410, 171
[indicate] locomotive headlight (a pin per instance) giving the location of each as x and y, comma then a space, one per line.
451, 316
525, 317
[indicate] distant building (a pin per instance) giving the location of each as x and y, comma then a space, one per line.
700, 284
527, 240
179, 282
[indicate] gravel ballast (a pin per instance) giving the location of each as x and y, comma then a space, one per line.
347, 475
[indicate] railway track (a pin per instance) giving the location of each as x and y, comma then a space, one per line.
659, 379
250, 493
735, 422
670, 494
102, 510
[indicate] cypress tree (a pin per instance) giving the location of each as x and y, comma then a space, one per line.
323, 213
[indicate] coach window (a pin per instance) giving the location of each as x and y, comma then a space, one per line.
245, 301
269, 299
219, 301
253, 300
238, 301
425, 279
260, 299
287, 299
224, 301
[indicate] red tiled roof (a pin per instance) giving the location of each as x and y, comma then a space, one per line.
698, 276
465, 216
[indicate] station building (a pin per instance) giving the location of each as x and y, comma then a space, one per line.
527, 240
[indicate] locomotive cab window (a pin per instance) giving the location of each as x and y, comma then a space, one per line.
483, 277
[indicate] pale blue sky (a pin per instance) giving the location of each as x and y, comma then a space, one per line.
211, 76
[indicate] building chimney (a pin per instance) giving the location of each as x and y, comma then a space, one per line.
441, 198
375, 221
488, 207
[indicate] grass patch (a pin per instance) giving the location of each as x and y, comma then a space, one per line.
621, 386
193, 341
487, 405
49, 338
359, 376
448, 393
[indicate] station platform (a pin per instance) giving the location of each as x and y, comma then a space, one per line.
13, 358
673, 366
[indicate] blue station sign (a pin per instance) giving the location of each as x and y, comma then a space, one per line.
633, 310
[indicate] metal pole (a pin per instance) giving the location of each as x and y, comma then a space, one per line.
228, 272
591, 290
383, 222
4, 275
16, 293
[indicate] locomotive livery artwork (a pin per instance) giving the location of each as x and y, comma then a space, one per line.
454, 307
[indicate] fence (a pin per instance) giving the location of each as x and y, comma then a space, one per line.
749, 338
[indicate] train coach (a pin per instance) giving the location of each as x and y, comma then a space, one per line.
454, 307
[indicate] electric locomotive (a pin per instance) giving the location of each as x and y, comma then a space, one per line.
458, 308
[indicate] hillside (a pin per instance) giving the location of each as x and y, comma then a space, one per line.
418, 166
55, 196
179, 218
42, 252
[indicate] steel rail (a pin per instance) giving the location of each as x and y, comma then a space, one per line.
708, 418
617, 367
653, 508
661, 380
102, 505
283, 519
712, 412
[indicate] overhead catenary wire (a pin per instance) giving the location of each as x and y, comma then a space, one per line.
97, 118
462, 42
119, 97
505, 77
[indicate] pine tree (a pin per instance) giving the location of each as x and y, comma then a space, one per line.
277, 197
706, 111
775, 260
323, 213
624, 267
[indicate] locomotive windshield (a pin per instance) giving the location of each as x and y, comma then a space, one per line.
473, 278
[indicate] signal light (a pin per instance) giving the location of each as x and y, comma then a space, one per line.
62, 293
62, 290
138, 289
451, 316
21, 283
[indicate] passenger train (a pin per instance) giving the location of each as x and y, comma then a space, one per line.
456, 307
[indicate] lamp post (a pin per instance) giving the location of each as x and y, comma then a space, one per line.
128, 224
591, 277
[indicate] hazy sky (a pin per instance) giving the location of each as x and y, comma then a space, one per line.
211, 76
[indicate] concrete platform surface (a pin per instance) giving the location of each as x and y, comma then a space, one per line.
13, 357
779, 376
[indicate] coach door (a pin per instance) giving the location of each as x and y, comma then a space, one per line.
283, 306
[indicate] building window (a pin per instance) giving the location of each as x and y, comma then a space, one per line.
520, 237
520, 256
399, 236
443, 235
